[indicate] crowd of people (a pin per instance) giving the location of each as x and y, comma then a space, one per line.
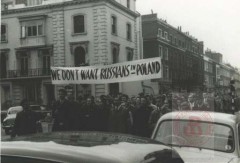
136, 115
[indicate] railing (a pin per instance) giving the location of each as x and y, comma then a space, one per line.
27, 73
33, 41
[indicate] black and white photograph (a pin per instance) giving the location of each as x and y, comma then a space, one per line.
120, 81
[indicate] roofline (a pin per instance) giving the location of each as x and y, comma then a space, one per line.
169, 116
169, 25
68, 3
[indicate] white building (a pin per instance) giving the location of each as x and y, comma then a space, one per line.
37, 34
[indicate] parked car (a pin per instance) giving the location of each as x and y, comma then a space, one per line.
3, 115
201, 136
87, 147
8, 122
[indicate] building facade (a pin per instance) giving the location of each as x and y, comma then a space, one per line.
39, 34
209, 73
181, 55
222, 73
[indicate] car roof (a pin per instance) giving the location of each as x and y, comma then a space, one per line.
15, 107
19, 108
206, 116
62, 152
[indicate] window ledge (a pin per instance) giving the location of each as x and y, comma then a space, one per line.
32, 37
114, 34
76, 34
5, 41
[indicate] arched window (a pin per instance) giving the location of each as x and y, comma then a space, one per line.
79, 56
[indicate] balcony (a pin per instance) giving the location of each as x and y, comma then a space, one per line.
33, 41
39, 72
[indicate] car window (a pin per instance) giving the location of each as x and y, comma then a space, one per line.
15, 159
196, 134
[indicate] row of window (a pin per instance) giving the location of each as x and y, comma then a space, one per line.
24, 60
79, 24
114, 28
28, 31
79, 57
163, 52
115, 53
208, 67
209, 80
173, 40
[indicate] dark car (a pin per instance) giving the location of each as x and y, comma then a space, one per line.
87, 147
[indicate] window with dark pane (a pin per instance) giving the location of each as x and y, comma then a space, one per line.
79, 24
34, 29
129, 54
3, 33
115, 55
114, 25
128, 3
40, 30
129, 32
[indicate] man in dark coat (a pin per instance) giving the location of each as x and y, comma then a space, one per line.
26, 121
113, 115
141, 119
102, 111
74, 110
60, 112
90, 115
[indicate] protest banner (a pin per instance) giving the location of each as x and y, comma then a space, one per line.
121, 72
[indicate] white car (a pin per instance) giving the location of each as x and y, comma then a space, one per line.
200, 136
8, 122
86, 147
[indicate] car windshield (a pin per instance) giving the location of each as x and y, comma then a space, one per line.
198, 134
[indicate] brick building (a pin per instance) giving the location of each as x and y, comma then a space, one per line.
37, 34
181, 54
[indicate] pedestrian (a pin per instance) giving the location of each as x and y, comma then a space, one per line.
150, 102
73, 111
102, 112
113, 115
141, 119
60, 112
192, 102
124, 115
26, 121
90, 115
155, 114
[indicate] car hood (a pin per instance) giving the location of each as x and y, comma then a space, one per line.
120, 152
196, 155
10, 116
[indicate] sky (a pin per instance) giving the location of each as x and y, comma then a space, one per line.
215, 22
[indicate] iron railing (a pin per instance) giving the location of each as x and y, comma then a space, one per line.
38, 72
